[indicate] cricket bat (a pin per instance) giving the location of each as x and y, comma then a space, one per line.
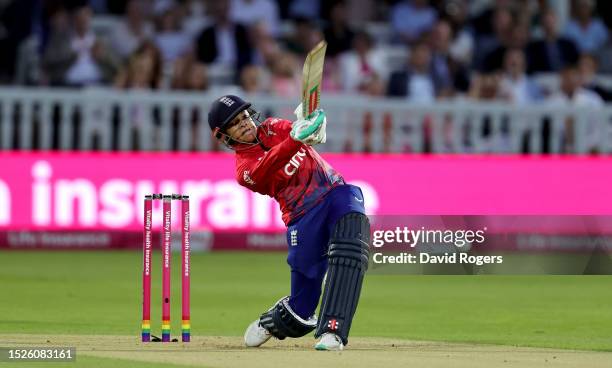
312, 75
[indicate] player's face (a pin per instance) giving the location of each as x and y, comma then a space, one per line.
242, 128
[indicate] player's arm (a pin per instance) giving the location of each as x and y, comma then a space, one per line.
280, 127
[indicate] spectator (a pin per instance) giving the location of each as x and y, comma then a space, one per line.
375, 87
571, 89
76, 56
412, 19
224, 42
361, 65
516, 87
57, 53
462, 44
251, 80
588, 32
285, 81
604, 58
309, 9
587, 65
195, 17
486, 44
552, 52
189, 74
16, 18
417, 82
572, 94
338, 33
27, 68
171, 40
100, 6
142, 72
486, 22
196, 77
304, 37
485, 87
362, 11
331, 76
249, 12
265, 47
132, 31
451, 73
143, 69
517, 38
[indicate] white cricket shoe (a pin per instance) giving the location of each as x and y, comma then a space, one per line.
256, 335
330, 342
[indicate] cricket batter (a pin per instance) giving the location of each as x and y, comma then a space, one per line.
327, 229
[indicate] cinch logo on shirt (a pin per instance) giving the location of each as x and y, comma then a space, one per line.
295, 162
227, 101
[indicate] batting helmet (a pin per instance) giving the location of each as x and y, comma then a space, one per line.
224, 110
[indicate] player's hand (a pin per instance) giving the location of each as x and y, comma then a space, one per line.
310, 131
298, 112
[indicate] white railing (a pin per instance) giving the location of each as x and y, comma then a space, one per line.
108, 119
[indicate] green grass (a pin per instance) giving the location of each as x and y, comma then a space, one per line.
100, 293
95, 362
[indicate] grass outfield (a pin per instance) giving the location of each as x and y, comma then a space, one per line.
99, 293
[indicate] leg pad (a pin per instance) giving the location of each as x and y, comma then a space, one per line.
348, 261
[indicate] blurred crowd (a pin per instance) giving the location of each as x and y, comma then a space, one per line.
519, 51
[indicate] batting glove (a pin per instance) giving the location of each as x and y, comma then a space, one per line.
311, 130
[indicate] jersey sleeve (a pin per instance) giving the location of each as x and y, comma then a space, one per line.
253, 172
280, 127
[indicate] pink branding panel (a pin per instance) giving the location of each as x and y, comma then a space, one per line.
81, 191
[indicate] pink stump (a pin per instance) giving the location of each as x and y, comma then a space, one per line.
185, 256
166, 248
146, 270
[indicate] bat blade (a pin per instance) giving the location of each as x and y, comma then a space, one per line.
312, 75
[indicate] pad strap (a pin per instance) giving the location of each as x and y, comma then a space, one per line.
281, 321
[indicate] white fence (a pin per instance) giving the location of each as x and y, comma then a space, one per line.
107, 119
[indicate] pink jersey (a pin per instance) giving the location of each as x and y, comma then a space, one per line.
289, 171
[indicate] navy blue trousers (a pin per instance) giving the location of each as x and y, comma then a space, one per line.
308, 239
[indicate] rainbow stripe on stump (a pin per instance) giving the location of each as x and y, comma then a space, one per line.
146, 331
165, 331
186, 330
